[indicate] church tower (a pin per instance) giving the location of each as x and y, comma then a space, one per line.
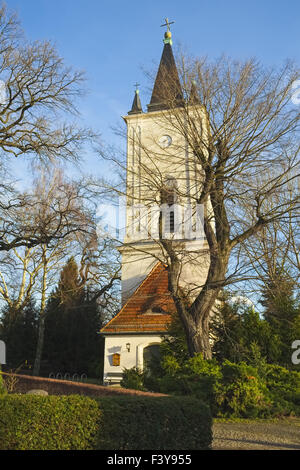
161, 186
162, 179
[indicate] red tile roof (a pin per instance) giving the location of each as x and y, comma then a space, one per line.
140, 312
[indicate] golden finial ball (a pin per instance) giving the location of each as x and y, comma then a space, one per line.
168, 35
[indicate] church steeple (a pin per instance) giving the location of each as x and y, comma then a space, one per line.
136, 107
167, 90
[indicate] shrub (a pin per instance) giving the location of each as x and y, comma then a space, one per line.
196, 377
147, 423
133, 378
261, 390
241, 393
31, 422
284, 389
230, 389
240, 390
2, 384
73, 422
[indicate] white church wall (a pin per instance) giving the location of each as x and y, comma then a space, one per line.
117, 344
148, 165
135, 267
2, 353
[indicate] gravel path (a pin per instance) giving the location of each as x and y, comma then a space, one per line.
278, 435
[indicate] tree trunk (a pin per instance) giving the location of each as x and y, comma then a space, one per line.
197, 324
40, 345
203, 307
196, 317
198, 339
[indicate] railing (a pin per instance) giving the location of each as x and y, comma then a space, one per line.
69, 377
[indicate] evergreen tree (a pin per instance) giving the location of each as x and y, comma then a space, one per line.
72, 344
227, 330
240, 331
174, 342
282, 312
19, 330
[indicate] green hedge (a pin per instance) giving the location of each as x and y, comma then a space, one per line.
161, 423
29, 422
232, 390
2, 386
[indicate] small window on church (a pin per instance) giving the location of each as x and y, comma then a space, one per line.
116, 359
168, 196
157, 309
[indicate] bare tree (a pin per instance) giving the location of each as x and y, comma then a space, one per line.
99, 270
50, 212
98, 273
31, 272
38, 93
236, 127
273, 253
39, 88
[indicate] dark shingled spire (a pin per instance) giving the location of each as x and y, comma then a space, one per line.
136, 105
167, 89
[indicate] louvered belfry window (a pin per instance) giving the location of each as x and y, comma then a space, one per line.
168, 195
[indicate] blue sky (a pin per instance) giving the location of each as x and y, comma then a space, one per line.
113, 40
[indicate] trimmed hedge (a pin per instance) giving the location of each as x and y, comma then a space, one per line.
160, 423
2, 385
29, 422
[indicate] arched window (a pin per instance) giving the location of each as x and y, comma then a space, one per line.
168, 195
151, 353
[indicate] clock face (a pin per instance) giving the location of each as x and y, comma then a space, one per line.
165, 141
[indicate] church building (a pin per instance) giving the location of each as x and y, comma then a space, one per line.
159, 164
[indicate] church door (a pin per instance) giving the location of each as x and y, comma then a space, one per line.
151, 353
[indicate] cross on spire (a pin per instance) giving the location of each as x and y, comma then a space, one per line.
136, 105
167, 86
167, 24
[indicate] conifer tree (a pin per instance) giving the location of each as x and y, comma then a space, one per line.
19, 330
72, 344
239, 330
282, 312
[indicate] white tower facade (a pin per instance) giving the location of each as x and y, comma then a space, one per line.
163, 180
162, 184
